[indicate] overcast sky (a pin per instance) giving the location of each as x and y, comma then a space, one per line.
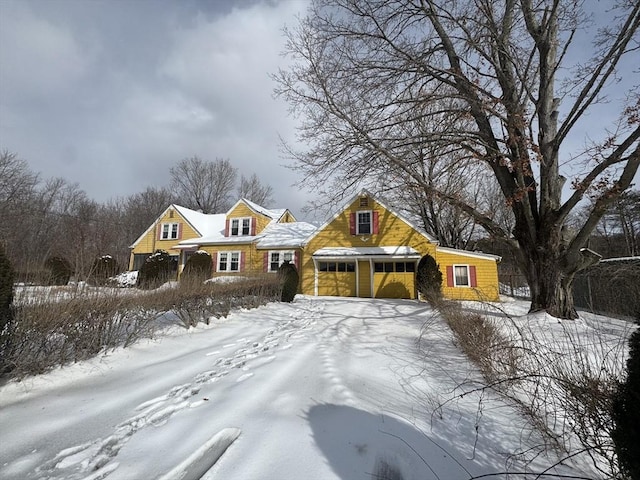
111, 94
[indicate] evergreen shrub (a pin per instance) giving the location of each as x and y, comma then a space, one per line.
198, 268
59, 270
154, 271
626, 414
289, 280
429, 279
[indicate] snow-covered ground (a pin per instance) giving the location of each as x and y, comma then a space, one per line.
323, 388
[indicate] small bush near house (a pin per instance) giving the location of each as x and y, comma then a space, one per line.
429, 279
626, 414
289, 280
102, 269
198, 268
59, 270
154, 271
6, 310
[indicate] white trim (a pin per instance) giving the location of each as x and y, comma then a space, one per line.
315, 277
465, 253
240, 221
357, 221
455, 283
229, 255
169, 230
281, 258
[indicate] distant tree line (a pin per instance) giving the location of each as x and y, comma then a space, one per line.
46, 218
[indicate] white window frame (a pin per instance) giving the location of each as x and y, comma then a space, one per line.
228, 261
240, 221
281, 258
168, 234
455, 277
358, 213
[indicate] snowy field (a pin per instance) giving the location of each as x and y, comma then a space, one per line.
323, 388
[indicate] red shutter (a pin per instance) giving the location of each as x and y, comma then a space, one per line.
253, 226
352, 223
160, 232
472, 276
226, 228
296, 260
179, 231
266, 261
375, 221
214, 260
242, 261
449, 276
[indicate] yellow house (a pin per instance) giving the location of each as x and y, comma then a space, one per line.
369, 250
229, 237
365, 250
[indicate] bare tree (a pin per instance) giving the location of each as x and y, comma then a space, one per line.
252, 189
500, 73
17, 187
204, 185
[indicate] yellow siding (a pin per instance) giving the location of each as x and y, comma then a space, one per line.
394, 285
486, 277
287, 218
393, 232
341, 284
243, 210
364, 272
252, 257
150, 243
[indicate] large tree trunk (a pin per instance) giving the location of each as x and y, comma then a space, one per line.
552, 291
548, 267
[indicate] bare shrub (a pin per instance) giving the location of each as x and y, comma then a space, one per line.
562, 375
64, 324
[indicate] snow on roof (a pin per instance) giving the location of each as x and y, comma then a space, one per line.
399, 251
274, 214
205, 223
218, 239
285, 234
455, 251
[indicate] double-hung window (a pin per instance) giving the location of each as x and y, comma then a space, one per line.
240, 226
229, 261
170, 231
364, 222
461, 275
278, 257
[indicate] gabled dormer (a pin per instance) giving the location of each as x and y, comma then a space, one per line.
248, 219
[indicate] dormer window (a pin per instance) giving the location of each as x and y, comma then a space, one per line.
240, 227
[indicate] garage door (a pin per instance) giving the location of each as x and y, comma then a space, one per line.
337, 279
394, 279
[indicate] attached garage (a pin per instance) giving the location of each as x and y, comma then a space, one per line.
337, 277
394, 278
380, 272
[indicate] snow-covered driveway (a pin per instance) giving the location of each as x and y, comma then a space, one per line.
323, 388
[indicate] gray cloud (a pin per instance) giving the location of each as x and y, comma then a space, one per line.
112, 94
